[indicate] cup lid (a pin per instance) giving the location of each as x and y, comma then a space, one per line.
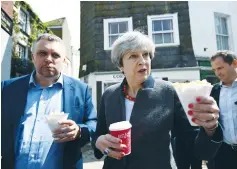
122, 125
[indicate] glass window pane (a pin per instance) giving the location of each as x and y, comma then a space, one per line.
218, 42
225, 43
123, 27
23, 16
17, 49
224, 26
112, 39
22, 50
22, 54
167, 24
22, 25
156, 25
23, 20
157, 38
113, 28
218, 25
168, 38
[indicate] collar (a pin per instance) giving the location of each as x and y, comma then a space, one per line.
33, 83
148, 83
235, 82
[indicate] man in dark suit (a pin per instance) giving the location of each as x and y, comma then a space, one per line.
224, 63
27, 142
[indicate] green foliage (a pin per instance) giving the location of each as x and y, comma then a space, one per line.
166, 8
148, 3
37, 27
16, 25
21, 66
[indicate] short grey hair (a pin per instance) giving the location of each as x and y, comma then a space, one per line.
131, 41
49, 37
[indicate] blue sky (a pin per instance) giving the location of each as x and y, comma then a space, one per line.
53, 9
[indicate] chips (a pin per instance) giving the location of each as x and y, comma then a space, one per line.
188, 92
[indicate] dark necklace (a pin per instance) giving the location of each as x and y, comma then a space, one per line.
126, 94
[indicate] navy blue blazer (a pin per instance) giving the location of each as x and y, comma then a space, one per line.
76, 101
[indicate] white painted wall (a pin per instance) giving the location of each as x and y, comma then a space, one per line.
67, 39
203, 25
177, 74
6, 55
75, 62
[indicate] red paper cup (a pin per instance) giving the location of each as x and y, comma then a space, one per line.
122, 130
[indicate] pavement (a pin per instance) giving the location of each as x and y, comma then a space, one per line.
90, 162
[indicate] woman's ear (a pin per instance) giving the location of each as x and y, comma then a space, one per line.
121, 70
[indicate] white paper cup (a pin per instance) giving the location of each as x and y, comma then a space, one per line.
188, 93
53, 119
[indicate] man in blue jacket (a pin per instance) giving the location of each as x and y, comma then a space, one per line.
27, 142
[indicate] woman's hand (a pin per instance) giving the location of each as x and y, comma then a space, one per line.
110, 146
205, 113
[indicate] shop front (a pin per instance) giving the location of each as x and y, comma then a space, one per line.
99, 81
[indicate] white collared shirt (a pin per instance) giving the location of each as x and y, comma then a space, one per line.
228, 112
128, 106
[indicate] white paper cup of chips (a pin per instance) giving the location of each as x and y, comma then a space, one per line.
188, 92
53, 119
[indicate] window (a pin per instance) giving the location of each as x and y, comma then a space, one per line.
115, 27
21, 51
23, 20
222, 34
163, 29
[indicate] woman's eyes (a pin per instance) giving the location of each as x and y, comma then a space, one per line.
134, 56
146, 54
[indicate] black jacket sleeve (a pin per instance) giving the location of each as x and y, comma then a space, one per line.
101, 128
205, 146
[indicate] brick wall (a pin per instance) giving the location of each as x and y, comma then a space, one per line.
7, 6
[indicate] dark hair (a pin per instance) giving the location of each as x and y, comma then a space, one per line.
227, 56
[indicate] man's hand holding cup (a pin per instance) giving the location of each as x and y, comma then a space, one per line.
63, 130
68, 132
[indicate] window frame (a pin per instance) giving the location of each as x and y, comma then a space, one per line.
106, 23
21, 20
174, 18
227, 17
24, 49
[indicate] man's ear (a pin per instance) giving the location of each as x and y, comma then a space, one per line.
65, 62
234, 63
32, 57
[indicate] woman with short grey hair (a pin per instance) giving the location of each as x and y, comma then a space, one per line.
153, 109
128, 42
